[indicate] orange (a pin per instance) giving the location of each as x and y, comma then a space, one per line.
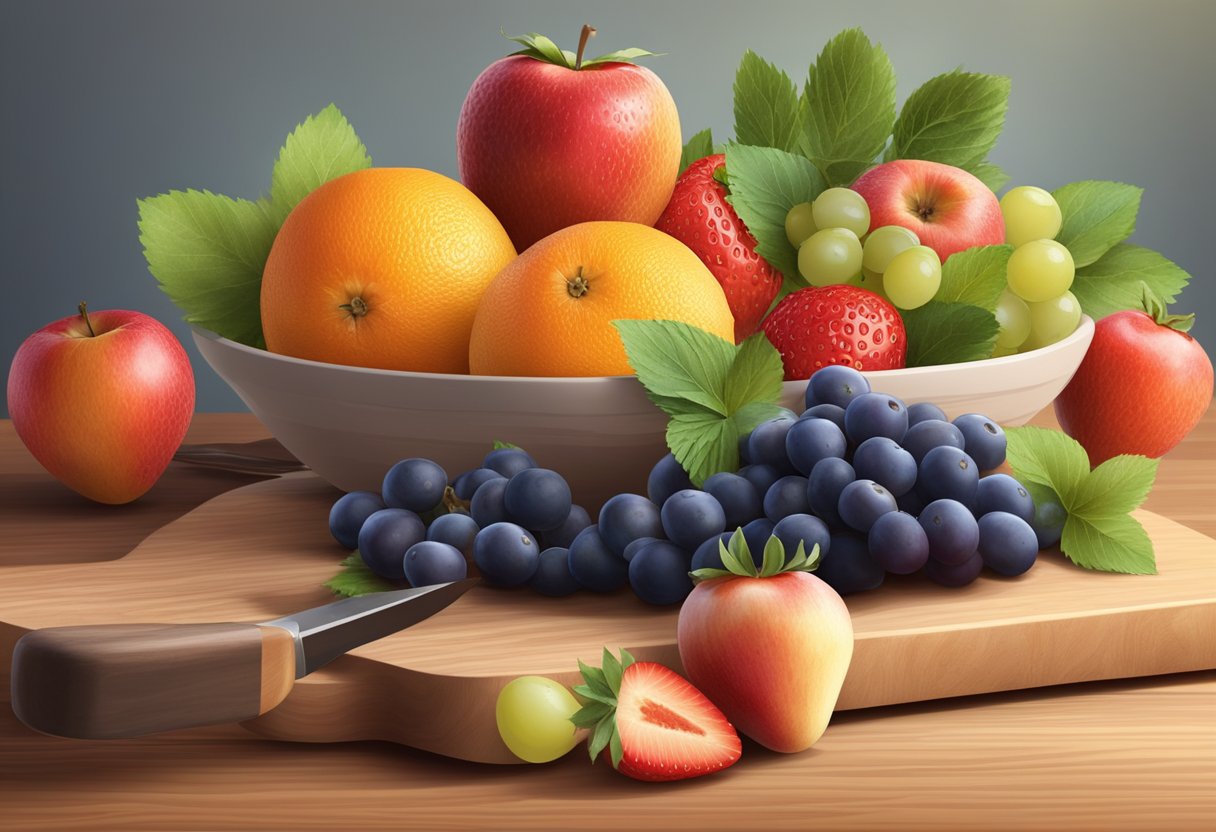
382, 268
550, 312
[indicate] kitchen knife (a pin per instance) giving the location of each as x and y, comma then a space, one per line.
123, 680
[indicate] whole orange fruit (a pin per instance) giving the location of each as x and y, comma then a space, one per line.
382, 268
550, 312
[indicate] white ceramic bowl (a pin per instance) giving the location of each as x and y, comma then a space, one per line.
349, 424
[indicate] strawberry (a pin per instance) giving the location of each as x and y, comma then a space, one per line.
838, 324
652, 723
699, 216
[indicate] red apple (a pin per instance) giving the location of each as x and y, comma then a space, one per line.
546, 145
102, 400
1143, 386
946, 207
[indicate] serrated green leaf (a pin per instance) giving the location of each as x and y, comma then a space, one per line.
765, 184
591, 713
601, 735
1113, 282
948, 333
1047, 457
755, 374
698, 147
1097, 215
615, 750
774, 556
612, 672
1117, 486
323, 147
954, 118
207, 252
990, 174
1109, 543
849, 107
588, 692
701, 443
354, 579
678, 361
975, 276
766, 105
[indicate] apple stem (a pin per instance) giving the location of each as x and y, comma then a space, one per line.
84, 313
587, 34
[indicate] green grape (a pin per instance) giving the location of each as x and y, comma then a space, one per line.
842, 208
1040, 270
1013, 316
1030, 214
799, 224
913, 277
533, 715
869, 280
1000, 352
882, 244
1052, 320
832, 255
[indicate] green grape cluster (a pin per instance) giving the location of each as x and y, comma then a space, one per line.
1037, 308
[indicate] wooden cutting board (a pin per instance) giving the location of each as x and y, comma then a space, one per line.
264, 550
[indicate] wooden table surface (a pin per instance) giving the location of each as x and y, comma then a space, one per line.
1133, 754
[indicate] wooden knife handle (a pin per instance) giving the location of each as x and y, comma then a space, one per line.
124, 680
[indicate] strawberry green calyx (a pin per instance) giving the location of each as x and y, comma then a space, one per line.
544, 49
601, 687
1153, 305
737, 558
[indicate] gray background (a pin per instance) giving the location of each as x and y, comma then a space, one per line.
105, 102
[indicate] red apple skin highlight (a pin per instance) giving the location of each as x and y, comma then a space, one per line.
771, 653
946, 207
104, 414
546, 147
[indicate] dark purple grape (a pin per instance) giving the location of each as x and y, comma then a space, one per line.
538, 499
1008, 544
506, 553
415, 484
787, 496
659, 573
739, 499
635, 546
849, 568
625, 518
946, 473
690, 516
925, 436
827, 480
561, 537
1001, 492
767, 443
594, 565
508, 461
385, 538
955, 575
760, 476
757, 533
875, 414
923, 411
708, 556
862, 502
984, 438
431, 562
806, 529
833, 413
552, 576
898, 543
912, 503
466, 484
666, 478
952, 530
457, 530
835, 384
349, 514
487, 506
810, 440
884, 461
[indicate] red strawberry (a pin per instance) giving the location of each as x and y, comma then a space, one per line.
839, 324
699, 216
653, 724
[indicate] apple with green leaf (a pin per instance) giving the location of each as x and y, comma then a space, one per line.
102, 400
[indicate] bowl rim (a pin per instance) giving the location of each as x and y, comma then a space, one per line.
1083, 331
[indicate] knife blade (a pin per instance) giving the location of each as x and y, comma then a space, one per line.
124, 680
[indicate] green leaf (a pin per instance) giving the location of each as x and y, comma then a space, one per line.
356, 579
766, 105
990, 174
701, 443
1117, 486
207, 253
323, 147
737, 557
588, 692
755, 374
677, 361
1047, 457
948, 333
540, 47
615, 749
594, 677
849, 107
765, 184
500, 445
774, 556
601, 735
975, 276
707, 573
954, 118
1113, 282
626, 659
591, 713
1097, 215
621, 56
612, 672
1110, 543
697, 148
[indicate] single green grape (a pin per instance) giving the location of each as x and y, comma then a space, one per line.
1052, 320
869, 280
799, 224
1000, 352
1030, 214
1013, 316
842, 208
830, 256
533, 715
1040, 270
913, 277
882, 244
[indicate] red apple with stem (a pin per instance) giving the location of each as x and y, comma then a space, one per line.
946, 207
548, 139
102, 400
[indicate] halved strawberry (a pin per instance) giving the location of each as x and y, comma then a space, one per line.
652, 722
